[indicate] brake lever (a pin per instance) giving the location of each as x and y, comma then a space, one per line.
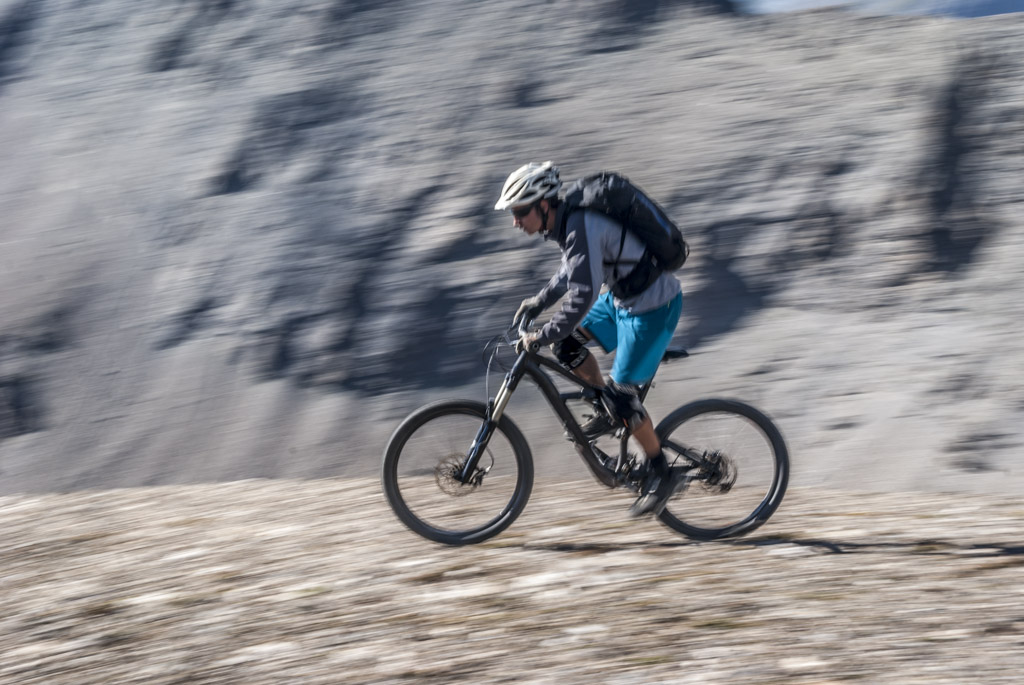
524, 327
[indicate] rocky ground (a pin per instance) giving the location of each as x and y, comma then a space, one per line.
315, 582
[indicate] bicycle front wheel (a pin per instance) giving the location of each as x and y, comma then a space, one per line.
738, 463
421, 466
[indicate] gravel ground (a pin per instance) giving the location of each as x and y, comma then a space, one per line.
316, 582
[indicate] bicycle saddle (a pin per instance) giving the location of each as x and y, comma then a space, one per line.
674, 353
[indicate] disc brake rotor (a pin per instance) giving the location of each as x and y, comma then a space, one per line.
718, 472
447, 471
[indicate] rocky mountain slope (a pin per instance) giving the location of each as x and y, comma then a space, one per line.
948, 8
245, 238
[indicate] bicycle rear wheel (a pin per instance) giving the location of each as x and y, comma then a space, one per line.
739, 468
421, 462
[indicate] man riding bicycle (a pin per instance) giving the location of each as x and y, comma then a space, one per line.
635, 322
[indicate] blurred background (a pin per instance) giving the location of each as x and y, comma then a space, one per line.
244, 239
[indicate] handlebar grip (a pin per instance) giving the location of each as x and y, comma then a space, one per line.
524, 326
524, 329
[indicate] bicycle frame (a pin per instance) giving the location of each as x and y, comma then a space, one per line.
691, 449
532, 365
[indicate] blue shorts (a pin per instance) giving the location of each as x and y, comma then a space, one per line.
640, 339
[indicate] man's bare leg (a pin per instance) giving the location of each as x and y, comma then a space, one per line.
590, 371
648, 439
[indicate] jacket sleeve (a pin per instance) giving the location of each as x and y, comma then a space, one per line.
581, 271
555, 288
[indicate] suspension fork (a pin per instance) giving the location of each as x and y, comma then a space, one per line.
495, 410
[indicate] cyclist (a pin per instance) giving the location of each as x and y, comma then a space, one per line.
636, 321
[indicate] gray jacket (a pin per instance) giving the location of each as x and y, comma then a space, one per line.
590, 245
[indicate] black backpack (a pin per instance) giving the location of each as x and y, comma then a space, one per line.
612, 194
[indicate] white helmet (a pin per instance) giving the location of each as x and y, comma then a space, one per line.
528, 184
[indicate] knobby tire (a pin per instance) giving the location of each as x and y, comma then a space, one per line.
393, 489
773, 490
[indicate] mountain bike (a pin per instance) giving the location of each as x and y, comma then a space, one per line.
459, 472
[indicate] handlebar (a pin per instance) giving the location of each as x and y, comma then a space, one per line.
525, 328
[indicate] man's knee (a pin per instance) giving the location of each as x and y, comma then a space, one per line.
622, 400
571, 351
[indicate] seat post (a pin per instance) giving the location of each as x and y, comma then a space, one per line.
644, 389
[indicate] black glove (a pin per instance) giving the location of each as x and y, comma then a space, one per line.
530, 309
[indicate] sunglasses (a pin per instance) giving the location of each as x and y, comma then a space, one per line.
522, 212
